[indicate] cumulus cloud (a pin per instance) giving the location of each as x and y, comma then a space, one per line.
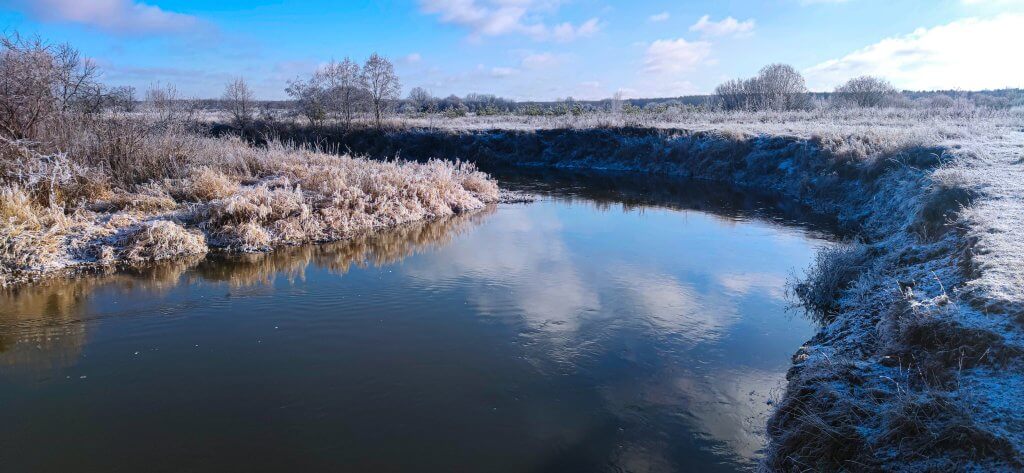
726, 27
505, 17
964, 54
675, 55
114, 16
659, 17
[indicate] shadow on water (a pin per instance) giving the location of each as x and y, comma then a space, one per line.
638, 191
619, 323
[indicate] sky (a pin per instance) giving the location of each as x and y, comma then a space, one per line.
538, 49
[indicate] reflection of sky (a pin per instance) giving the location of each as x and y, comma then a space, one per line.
582, 282
642, 340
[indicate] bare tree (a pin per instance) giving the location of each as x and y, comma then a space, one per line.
615, 103
867, 91
75, 76
380, 80
344, 87
38, 82
776, 87
421, 100
311, 97
240, 102
732, 94
123, 98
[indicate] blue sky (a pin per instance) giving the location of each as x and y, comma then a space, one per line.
538, 49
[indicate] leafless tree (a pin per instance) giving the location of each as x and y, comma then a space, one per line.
344, 88
776, 87
240, 102
380, 80
311, 97
75, 76
732, 94
421, 100
39, 81
866, 91
616, 102
123, 99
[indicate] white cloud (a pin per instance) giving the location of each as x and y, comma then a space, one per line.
675, 55
504, 17
413, 58
115, 16
567, 32
665, 62
659, 17
540, 61
966, 54
502, 71
726, 27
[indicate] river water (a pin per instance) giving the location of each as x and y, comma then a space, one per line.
614, 324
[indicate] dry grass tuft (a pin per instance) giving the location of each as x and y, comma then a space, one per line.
30, 236
205, 184
160, 240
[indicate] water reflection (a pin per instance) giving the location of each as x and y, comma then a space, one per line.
43, 326
613, 325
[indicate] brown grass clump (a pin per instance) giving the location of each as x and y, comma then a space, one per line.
30, 236
160, 240
142, 202
205, 184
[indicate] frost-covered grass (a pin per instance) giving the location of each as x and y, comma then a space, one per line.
179, 194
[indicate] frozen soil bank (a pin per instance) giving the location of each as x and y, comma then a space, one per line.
917, 365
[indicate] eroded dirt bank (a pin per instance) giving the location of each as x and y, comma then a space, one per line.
917, 363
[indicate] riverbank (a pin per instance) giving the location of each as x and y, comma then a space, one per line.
62, 213
917, 361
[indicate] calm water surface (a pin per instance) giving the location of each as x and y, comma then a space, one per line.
609, 326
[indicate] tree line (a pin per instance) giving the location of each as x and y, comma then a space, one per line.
780, 87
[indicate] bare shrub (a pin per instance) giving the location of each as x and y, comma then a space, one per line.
866, 91
832, 271
38, 81
776, 87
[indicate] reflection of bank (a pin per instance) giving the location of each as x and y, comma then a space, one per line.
43, 326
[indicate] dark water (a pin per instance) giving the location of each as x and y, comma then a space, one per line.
608, 326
